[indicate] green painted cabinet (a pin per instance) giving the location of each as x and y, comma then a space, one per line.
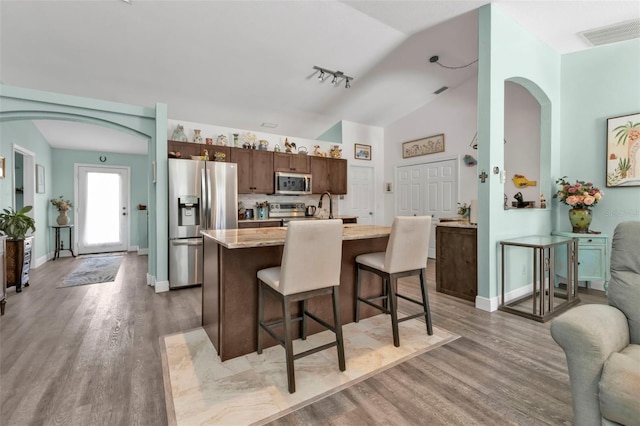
593, 257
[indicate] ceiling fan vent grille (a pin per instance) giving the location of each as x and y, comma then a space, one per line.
626, 30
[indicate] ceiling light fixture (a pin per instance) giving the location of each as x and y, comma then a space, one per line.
434, 60
338, 76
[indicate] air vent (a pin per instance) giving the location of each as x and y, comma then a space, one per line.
440, 90
626, 30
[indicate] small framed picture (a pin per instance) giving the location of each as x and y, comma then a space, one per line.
362, 152
2, 166
40, 179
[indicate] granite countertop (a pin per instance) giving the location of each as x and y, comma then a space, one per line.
262, 237
458, 224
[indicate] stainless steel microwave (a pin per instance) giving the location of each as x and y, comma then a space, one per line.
287, 183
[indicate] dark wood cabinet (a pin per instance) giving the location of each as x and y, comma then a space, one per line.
456, 261
260, 224
18, 262
283, 162
255, 170
3, 277
329, 174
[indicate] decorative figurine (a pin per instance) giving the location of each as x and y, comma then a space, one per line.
317, 152
222, 140
289, 146
264, 145
276, 148
178, 134
543, 202
209, 141
335, 152
520, 181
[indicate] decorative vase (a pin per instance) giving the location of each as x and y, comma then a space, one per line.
197, 138
580, 220
62, 218
235, 140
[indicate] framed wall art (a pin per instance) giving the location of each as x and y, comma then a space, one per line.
2, 167
424, 146
362, 152
40, 179
623, 150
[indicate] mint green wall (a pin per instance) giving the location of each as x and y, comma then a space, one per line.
63, 180
26, 135
507, 52
334, 134
597, 84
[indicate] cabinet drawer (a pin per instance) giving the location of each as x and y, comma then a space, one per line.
592, 241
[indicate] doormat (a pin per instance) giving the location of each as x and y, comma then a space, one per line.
252, 389
94, 270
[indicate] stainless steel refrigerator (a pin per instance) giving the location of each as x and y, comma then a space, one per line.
203, 195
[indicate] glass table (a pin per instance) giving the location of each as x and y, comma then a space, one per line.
545, 299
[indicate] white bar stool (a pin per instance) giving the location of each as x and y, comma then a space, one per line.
406, 255
310, 267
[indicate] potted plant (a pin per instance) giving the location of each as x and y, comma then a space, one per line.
15, 225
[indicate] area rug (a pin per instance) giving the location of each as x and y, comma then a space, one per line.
252, 389
94, 270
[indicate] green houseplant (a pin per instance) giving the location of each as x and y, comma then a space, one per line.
16, 224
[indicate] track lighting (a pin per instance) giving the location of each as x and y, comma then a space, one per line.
338, 76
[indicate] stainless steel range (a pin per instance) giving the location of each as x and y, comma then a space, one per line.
288, 212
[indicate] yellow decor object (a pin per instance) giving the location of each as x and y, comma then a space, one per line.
520, 181
335, 152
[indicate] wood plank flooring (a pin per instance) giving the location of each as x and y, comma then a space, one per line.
89, 355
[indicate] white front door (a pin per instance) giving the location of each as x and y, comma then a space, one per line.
428, 189
361, 194
102, 209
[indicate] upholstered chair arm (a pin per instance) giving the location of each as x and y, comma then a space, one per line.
589, 334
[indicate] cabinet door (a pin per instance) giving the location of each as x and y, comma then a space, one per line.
281, 162
456, 262
337, 171
299, 163
319, 174
243, 158
591, 262
262, 172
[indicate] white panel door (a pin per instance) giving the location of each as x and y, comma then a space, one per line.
411, 190
428, 189
102, 213
361, 194
441, 182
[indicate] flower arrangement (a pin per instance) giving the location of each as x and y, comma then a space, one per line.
580, 195
249, 137
61, 204
463, 209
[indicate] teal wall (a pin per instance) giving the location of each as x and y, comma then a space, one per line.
63, 180
508, 52
597, 84
334, 134
26, 135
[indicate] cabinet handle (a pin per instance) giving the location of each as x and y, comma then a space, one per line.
590, 240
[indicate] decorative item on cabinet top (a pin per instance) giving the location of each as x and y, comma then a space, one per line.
178, 134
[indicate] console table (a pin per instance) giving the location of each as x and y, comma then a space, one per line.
545, 301
593, 259
59, 248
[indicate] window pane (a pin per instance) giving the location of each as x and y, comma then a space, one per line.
103, 208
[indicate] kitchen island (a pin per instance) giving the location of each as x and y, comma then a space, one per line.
232, 258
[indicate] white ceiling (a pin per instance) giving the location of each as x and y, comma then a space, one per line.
242, 63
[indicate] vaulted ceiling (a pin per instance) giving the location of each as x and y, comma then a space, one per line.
242, 63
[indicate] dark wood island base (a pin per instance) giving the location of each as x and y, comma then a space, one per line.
230, 291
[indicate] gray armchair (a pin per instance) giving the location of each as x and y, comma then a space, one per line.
602, 343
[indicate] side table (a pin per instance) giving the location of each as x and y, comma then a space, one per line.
59, 248
545, 301
593, 259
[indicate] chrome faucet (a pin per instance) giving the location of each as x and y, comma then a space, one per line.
330, 204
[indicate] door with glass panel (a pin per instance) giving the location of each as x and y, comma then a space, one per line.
102, 212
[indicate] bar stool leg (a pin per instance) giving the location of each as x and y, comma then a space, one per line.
358, 278
303, 326
260, 314
288, 344
425, 301
392, 308
338, 329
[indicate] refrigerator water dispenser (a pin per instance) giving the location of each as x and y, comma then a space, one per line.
188, 210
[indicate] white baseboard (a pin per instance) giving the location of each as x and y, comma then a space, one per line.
151, 280
132, 248
162, 286
492, 304
143, 251
42, 260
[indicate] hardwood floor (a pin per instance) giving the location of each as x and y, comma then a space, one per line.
89, 355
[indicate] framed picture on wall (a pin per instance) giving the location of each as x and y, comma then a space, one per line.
424, 146
623, 150
362, 152
40, 179
2, 166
